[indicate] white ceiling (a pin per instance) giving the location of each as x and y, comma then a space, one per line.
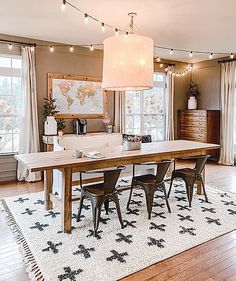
201, 25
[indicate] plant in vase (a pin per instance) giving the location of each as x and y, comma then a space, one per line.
192, 92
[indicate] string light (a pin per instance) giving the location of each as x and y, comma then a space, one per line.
71, 48
32, 48
103, 27
10, 46
158, 59
63, 6
91, 48
191, 54
211, 56
161, 65
116, 32
126, 34
171, 51
231, 55
86, 18
51, 49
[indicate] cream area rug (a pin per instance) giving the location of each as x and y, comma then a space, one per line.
52, 255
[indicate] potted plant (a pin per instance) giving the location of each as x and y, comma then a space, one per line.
192, 92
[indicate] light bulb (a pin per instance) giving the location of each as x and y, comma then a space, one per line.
158, 59
166, 69
211, 56
32, 48
117, 32
91, 48
171, 51
71, 48
63, 6
51, 49
126, 34
10, 46
191, 54
231, 55
103, 26
174, 74
161, 65
85, 18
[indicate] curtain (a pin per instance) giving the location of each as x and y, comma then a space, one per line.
227, 112
29, 133
119, 112
170, 104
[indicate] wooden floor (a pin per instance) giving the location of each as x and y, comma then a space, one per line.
212, 261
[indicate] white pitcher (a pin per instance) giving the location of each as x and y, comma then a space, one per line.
50, 126
192, 103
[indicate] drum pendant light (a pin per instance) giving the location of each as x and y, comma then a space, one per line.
128, 61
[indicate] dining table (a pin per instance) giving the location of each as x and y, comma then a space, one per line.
113, 156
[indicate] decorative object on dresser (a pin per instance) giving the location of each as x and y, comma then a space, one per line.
107, 123
192, 92
80, 126
77, 96
201, 126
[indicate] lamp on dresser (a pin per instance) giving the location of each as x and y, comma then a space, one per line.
200, 125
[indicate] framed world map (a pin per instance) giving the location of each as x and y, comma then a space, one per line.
77, 96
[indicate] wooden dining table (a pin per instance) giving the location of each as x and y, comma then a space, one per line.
114, 156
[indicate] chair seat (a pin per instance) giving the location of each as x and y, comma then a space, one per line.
185, 172
145, 179
95, 189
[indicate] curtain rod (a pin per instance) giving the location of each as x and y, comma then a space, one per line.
4, 41
229, 60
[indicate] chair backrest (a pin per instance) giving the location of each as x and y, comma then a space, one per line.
110, 179
200, 164
162, 168
146, 138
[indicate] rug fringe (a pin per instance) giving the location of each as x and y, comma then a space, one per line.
32, 268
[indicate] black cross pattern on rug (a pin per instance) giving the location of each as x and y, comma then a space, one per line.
68, 233
137, 194
98, 236
117, 256
179, 199
179, 191
110, 210
124, 238
28, 212
223, 195
211, 210
161, 205
129, 223
52, 214
157, 196
52, 247
183, 208
138, 203
39, 202
21, 200
161, 215
84, 251
160, 227
69, 274
189, 230
204, 201
104, 221
185, 218
210, 221
74, 216
123, 180
86, 207
39, 226
231, 212
77, 189
156, 242
133, 212
227, 203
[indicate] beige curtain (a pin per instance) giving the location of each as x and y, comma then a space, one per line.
29, 134
227, 112
170, 104
119, 112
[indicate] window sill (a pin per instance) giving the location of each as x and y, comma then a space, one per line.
8, 154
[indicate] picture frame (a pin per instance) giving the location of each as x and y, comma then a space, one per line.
77, 93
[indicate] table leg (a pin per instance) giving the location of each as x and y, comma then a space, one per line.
199, 184
66, 199
48, 189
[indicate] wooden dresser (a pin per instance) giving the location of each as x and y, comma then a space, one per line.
201, 126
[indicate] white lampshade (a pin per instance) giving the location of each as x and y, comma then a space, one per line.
128, 63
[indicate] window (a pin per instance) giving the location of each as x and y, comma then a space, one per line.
10, 103
145, 110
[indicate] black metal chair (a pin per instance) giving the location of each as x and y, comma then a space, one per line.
101, 193
150, 183
190, 176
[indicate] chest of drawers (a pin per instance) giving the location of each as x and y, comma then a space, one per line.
200, 125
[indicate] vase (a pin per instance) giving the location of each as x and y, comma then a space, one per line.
50, 126
60, 133
192, 103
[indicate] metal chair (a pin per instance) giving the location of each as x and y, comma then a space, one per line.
190, 176
150, 183
101, 193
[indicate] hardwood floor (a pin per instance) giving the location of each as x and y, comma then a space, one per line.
212, 261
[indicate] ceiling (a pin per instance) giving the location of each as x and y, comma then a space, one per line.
201, 25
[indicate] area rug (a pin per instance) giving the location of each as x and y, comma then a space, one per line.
52, 255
